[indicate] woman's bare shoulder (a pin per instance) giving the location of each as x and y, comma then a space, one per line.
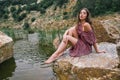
87, 27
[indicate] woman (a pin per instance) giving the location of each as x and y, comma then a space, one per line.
81, 36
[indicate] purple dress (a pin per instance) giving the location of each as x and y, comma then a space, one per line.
84, 43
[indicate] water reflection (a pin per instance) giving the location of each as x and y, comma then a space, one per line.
7, 68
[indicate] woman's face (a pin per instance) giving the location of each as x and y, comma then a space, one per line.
83, 14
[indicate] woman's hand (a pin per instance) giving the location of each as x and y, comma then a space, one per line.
103, 51
97, 50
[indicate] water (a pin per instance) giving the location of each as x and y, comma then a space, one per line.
27, 63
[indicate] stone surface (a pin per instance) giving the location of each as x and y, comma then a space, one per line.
89, 67
6, 47
112, 27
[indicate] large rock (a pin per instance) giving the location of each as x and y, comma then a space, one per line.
112, 26
94, 66
6, 47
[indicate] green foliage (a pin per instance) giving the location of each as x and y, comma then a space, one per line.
46, 40
21, 17
4, 8
4, 13
15, 15
19, 9
16, 2
33, 19
9, 32
42, 10
60, 3
26, 26
65, 15
5, 16
97, 7
33, 6
12, 9
44, 4
29, 5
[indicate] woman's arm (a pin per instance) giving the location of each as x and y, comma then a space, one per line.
87, 27
96, 48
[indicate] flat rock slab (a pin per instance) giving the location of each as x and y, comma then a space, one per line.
102, 64
100, 60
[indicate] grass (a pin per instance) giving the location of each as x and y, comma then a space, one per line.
9, 32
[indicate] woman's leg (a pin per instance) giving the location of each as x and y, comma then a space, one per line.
58, 52
72, 40
62, 46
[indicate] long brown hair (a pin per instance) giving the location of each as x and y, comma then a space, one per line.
87, 18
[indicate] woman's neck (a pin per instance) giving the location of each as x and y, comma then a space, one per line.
82, 22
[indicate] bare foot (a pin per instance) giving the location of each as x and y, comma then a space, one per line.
51, 59
48, 61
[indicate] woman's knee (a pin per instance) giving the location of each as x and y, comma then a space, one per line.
70, 31
68, 37
64, 39
72, 39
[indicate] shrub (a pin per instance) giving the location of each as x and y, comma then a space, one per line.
15, 15
33, 19
19, 9
26, 26
97, 7
60, 3
42, 10
12, 9
65, 13
21, 17
5, 16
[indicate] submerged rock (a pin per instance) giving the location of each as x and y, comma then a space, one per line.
102, 66
6, 47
